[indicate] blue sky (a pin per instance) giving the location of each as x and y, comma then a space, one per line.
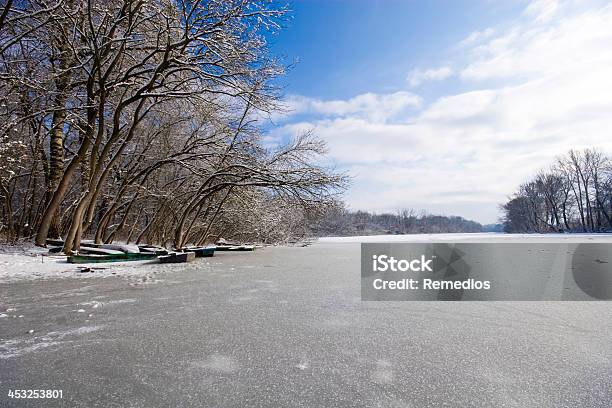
446, 106
344, 48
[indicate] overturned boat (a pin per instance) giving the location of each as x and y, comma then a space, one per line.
101, 258
235, 247
202, 252
152, 249
177, 257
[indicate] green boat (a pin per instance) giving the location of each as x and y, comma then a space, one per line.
84, 259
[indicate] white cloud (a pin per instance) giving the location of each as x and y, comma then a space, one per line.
542, 10
476, 37
571, 42
417, 76
374, 107
465, 153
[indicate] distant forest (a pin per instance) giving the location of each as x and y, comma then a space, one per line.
573, 195
342, 222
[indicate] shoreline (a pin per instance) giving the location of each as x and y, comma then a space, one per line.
26, 262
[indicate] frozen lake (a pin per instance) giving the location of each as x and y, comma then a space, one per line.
286, 327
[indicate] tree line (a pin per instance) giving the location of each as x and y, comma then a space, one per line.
339, 221
573, 195
140, 120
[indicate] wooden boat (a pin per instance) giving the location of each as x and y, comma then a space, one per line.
55, 242
87, 250
177, 257
82, 259
150, 249
101, 249
235, 247
128, 249
201, 252
133, 249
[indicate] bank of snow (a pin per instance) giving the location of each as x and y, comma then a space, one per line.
26, 261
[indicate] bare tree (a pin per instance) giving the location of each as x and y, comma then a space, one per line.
140, 120
574, 195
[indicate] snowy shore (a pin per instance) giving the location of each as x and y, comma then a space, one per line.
27, 262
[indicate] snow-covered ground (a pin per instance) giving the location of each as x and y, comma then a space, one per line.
27, 261
475, 237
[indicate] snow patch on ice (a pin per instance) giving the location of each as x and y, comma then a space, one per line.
96, 304
304, 364
72, 332
218, 363
383, 374
18, 347
14, 348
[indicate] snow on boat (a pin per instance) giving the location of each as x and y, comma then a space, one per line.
235, 247
101, 258
91, 248
151, 249
87, 250
125, 248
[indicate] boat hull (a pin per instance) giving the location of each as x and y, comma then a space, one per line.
237, 248
153, 250
84, 259
180, 257
202, 252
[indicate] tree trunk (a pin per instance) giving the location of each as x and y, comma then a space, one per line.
56, 164
56, 136
58, 195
